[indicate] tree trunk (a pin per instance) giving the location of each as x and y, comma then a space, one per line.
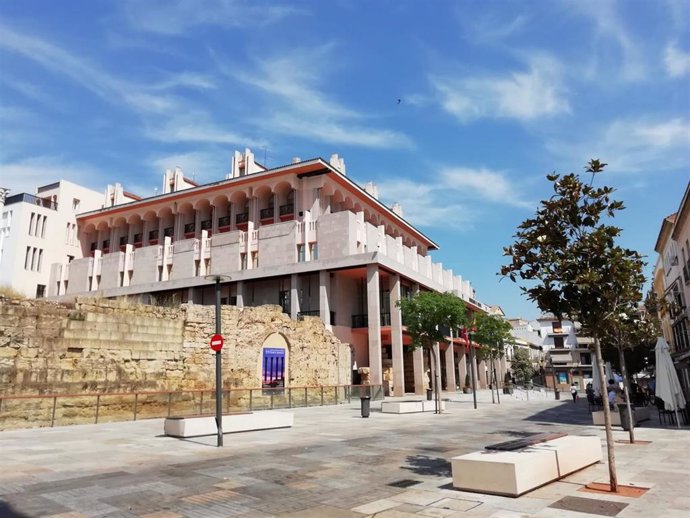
626, 391
498, 395
613, 478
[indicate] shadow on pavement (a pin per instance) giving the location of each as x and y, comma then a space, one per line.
429, 466
7, 511
578, 413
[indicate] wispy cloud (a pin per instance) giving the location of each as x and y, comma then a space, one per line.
166, 116
610, 28
293, 91
176, 17
677, 62
631, 145
526, 95
26, 174
456, 197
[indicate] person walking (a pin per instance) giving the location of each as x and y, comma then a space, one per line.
573, 392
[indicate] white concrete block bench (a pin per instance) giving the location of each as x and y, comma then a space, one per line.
642, 413
513, 473
232, 423
409, 407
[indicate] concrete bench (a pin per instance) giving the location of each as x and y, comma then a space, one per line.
642, 413
513, 473
409, 407
232, 423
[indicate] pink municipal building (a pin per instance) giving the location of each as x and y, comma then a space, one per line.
303, 236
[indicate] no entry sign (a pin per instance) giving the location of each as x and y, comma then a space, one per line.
217, 342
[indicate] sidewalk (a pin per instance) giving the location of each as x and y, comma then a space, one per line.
332, 463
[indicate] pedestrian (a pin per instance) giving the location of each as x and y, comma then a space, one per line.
573, 392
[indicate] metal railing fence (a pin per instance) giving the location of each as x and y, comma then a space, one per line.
47, 410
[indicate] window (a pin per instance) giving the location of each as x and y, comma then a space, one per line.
314, 251
33, 259
40, 291
32, 224
68, 231
40, 260
558, 342
197, 265
300, 254
27, 257
75, 204
255, 259
243, 261
43, 226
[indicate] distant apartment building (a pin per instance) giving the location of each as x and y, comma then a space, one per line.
672, 286
303, 236
37, 230
526, 337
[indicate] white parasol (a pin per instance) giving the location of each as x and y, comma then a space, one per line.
667, 385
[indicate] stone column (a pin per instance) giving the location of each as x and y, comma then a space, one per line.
294, 295
178, 226
197, 223
240, 294
214, 220
418, 364
233, 215
161, 229
145, 223
374, 312
396, 337
450, 368
462, 366
324, 298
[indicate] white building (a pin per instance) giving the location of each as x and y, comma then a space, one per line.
303, 236
39, 230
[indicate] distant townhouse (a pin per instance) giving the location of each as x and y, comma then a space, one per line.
37, 230
303, 236
672, 286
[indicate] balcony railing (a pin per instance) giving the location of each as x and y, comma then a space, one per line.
266, 213
241, 218
287, 209
363, 320
189, 228
206, 224
30, 198
224, 221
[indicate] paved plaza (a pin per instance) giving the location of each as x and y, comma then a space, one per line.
331, 464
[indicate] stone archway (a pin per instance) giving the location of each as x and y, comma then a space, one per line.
274, 361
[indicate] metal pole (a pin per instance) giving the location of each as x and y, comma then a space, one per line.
553, 374
473, 366
219, 373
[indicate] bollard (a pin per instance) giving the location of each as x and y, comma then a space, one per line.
366, 405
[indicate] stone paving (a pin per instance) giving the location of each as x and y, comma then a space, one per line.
332, 463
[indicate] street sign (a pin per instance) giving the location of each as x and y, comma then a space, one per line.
217, 342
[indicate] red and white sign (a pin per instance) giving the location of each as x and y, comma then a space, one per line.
217, 342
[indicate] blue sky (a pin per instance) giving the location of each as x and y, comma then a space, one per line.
493, 95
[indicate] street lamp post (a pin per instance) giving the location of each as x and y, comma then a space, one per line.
219, 372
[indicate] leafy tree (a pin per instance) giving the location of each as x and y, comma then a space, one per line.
567, 262
521, 365
425, 316
627, 331
492, 333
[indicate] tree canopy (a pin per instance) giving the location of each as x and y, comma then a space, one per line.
492, 334
521, 365
428, 313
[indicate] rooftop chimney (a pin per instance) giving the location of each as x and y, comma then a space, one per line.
397, 208
338, 163
371, 188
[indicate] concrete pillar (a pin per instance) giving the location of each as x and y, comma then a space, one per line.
324, 298
145, 227
483, 374
294, 295
197, 223
178, 227
450, 368
161, 230
418, 364
396, 337
214, 220
240, 294
233, 215
374, 312
462, 366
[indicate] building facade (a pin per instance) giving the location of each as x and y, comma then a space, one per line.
37, 230
302, 236
672, 286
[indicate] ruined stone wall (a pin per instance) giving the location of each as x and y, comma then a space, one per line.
107, 346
